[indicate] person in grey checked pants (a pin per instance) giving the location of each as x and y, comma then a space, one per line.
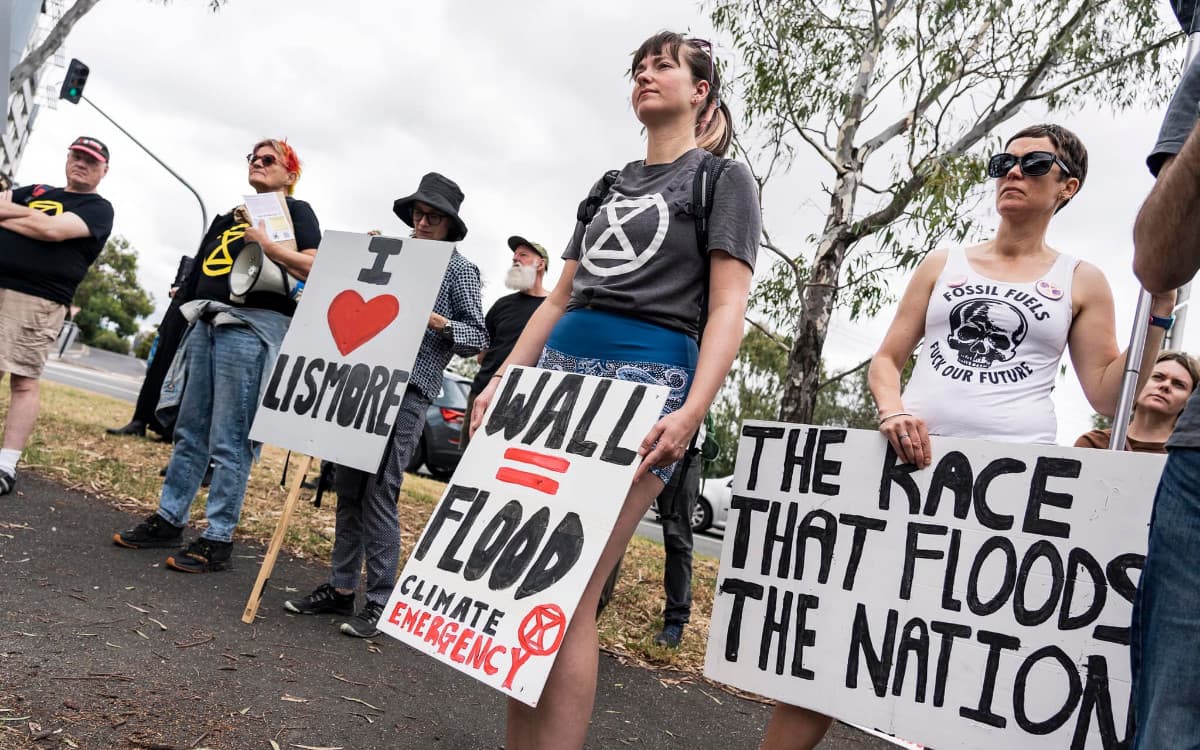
368, 524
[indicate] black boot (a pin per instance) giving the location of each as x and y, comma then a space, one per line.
135, 427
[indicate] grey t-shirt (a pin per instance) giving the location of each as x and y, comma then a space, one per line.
638, 255
1180, 119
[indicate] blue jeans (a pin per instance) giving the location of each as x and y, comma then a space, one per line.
224, 367
1165, 647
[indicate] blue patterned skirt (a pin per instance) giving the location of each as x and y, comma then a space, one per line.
608, 345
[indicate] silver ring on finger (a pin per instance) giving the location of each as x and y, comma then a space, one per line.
904, 437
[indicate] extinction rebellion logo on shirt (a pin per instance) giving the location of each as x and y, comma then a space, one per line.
50, 208
625, 222
219, 262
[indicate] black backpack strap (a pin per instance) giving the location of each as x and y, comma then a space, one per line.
704, 188
591, 204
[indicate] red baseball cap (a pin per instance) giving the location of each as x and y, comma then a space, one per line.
91, 146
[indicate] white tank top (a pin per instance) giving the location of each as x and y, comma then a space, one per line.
992, 351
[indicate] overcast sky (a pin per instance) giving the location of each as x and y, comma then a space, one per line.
523, 104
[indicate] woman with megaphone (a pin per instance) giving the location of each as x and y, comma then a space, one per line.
236, 328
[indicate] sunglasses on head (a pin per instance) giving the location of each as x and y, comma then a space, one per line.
1033, 164
708, 47
266, 159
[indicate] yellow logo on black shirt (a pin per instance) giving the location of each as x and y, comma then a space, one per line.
219, 262
50, 208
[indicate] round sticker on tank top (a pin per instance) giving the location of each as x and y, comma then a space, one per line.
1048, 290
956, 281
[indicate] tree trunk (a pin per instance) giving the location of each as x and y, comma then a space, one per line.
25, 69
816, 306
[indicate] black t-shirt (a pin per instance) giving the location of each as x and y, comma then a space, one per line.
52, 270
504, 321
220, 248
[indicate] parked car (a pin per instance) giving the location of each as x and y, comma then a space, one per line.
712, 507
439, 447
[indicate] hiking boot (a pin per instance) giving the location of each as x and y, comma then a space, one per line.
8, 482
155, 531
670, 636
202, 556
362, 625
324, 599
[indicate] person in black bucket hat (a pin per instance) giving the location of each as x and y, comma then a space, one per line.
439, 193
368, 525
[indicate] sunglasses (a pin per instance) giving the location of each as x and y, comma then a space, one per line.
432, 219
1033, 164
265, 159
707, 46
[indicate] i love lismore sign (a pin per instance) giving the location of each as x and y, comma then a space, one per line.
495, 578
344, 365
983, 602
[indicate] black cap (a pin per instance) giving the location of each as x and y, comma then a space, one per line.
89, 145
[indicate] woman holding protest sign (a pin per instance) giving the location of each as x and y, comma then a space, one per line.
230, 345
996, 319
629, 304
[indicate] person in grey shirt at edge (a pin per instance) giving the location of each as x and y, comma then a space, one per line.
1165, 637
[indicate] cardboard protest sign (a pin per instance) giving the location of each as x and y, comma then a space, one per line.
983, 602
344, 365
493, 582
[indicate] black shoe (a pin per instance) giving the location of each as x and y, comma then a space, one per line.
155, 531
324, 599
670, 636
362, 625
135, 427
8, 482
202, 556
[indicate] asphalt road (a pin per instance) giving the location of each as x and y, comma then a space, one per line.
109, 649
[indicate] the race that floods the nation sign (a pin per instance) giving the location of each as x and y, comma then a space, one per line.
983, 602
344, 365
494, 579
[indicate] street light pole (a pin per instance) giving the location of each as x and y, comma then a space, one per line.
203, 210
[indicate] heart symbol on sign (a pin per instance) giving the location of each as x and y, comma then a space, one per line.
354, 321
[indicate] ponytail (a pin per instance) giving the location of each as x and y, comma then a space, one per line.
714, 132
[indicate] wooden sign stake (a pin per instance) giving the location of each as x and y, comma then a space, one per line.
268, 564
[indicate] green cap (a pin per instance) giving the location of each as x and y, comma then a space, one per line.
517, 240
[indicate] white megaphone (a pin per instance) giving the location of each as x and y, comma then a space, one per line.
253, 271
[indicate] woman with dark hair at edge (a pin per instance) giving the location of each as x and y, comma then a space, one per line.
1158, 406
636, 315
996, 318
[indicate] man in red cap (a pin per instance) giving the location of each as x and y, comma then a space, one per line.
49, 237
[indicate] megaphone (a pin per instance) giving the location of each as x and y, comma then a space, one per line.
253, 271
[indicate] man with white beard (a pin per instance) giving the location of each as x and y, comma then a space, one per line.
508, 316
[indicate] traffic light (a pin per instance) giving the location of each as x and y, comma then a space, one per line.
72, 87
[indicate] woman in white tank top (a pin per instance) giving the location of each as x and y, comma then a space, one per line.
996, 318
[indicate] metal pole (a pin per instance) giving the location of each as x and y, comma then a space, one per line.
203, 211
1141, 318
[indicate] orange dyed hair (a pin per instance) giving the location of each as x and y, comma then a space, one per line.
287, 157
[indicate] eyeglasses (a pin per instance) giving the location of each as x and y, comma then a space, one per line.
432, 219
266, 159
1033, 164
